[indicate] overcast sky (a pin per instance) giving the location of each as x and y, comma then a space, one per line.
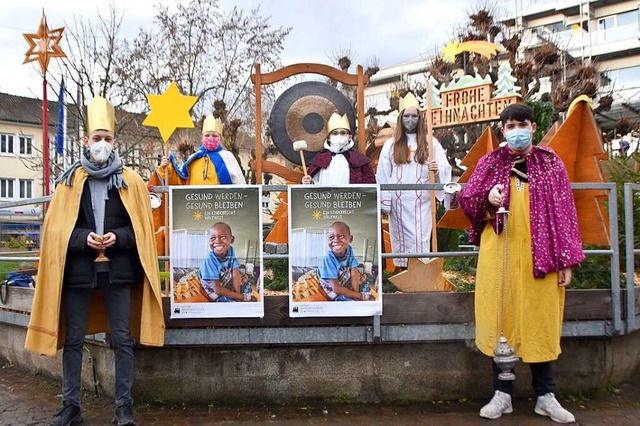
390, 30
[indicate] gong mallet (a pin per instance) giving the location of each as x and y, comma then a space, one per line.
301, 146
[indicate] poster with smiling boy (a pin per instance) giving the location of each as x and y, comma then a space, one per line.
334, 251
216, 256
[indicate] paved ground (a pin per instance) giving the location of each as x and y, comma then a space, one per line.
26, 399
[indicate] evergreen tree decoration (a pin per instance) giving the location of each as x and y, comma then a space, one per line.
432, 88
506, 82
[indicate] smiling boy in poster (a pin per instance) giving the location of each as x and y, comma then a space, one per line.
338, 273
220, 271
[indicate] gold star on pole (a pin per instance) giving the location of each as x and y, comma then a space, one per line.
44, 45
170, 111
451, 50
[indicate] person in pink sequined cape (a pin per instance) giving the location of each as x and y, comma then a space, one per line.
526, 302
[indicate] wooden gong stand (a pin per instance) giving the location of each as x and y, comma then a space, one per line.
359, 79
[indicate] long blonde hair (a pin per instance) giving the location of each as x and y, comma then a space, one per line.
401, 148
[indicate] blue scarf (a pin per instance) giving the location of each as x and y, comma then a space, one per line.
216, 159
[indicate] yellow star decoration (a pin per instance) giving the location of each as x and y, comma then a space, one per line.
481, 47
451, 50
316, 215
197, 215
44, 45
170, 111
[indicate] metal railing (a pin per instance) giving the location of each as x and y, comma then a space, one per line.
633, 321
375, 332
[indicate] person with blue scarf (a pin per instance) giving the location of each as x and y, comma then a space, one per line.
211, 164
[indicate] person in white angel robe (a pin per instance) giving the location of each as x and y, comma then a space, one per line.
403, 160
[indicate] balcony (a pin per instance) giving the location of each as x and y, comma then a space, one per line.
527, 8
579, 43
531, 9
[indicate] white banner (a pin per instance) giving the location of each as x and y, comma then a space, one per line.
216, 251
335, 262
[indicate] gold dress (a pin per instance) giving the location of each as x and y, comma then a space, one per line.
201, 172
533, 308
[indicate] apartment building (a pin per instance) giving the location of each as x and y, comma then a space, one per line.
603, 32
21, 145
21, 174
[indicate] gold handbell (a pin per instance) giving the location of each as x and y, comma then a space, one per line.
101, 261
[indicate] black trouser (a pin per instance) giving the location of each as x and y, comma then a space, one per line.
541, 378
118, 302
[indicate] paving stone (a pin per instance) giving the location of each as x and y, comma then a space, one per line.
34, 399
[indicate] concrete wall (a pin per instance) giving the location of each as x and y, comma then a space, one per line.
363, 373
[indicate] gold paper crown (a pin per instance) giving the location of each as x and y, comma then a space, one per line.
409, 101
212, 124
101, 115
338, 122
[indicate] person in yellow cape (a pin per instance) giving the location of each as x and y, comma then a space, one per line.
211, 164
98, 267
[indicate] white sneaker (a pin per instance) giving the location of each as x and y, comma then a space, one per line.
548, 405
500, 404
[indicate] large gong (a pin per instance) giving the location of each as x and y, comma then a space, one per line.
301, 113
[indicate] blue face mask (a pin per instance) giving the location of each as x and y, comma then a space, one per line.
518, 139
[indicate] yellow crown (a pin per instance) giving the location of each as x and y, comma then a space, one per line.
409, 101
338, 122
212, 124
101, 115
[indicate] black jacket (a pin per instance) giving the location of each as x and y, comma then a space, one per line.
125, 267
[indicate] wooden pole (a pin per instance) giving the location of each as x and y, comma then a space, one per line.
432, 174
258, 92
360, 109
167, 265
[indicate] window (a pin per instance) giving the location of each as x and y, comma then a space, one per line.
6, 144
537, 2
629, 75
26, 145
606, 23
623, 77
618, 27
556, 27
6, 188
26, 188
628, 18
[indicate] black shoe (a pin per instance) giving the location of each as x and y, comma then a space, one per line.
68, 415
124, 416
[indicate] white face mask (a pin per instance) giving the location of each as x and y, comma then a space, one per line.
100, 151
339, 143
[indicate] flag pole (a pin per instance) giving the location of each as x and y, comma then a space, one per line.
45, 135
65, 147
